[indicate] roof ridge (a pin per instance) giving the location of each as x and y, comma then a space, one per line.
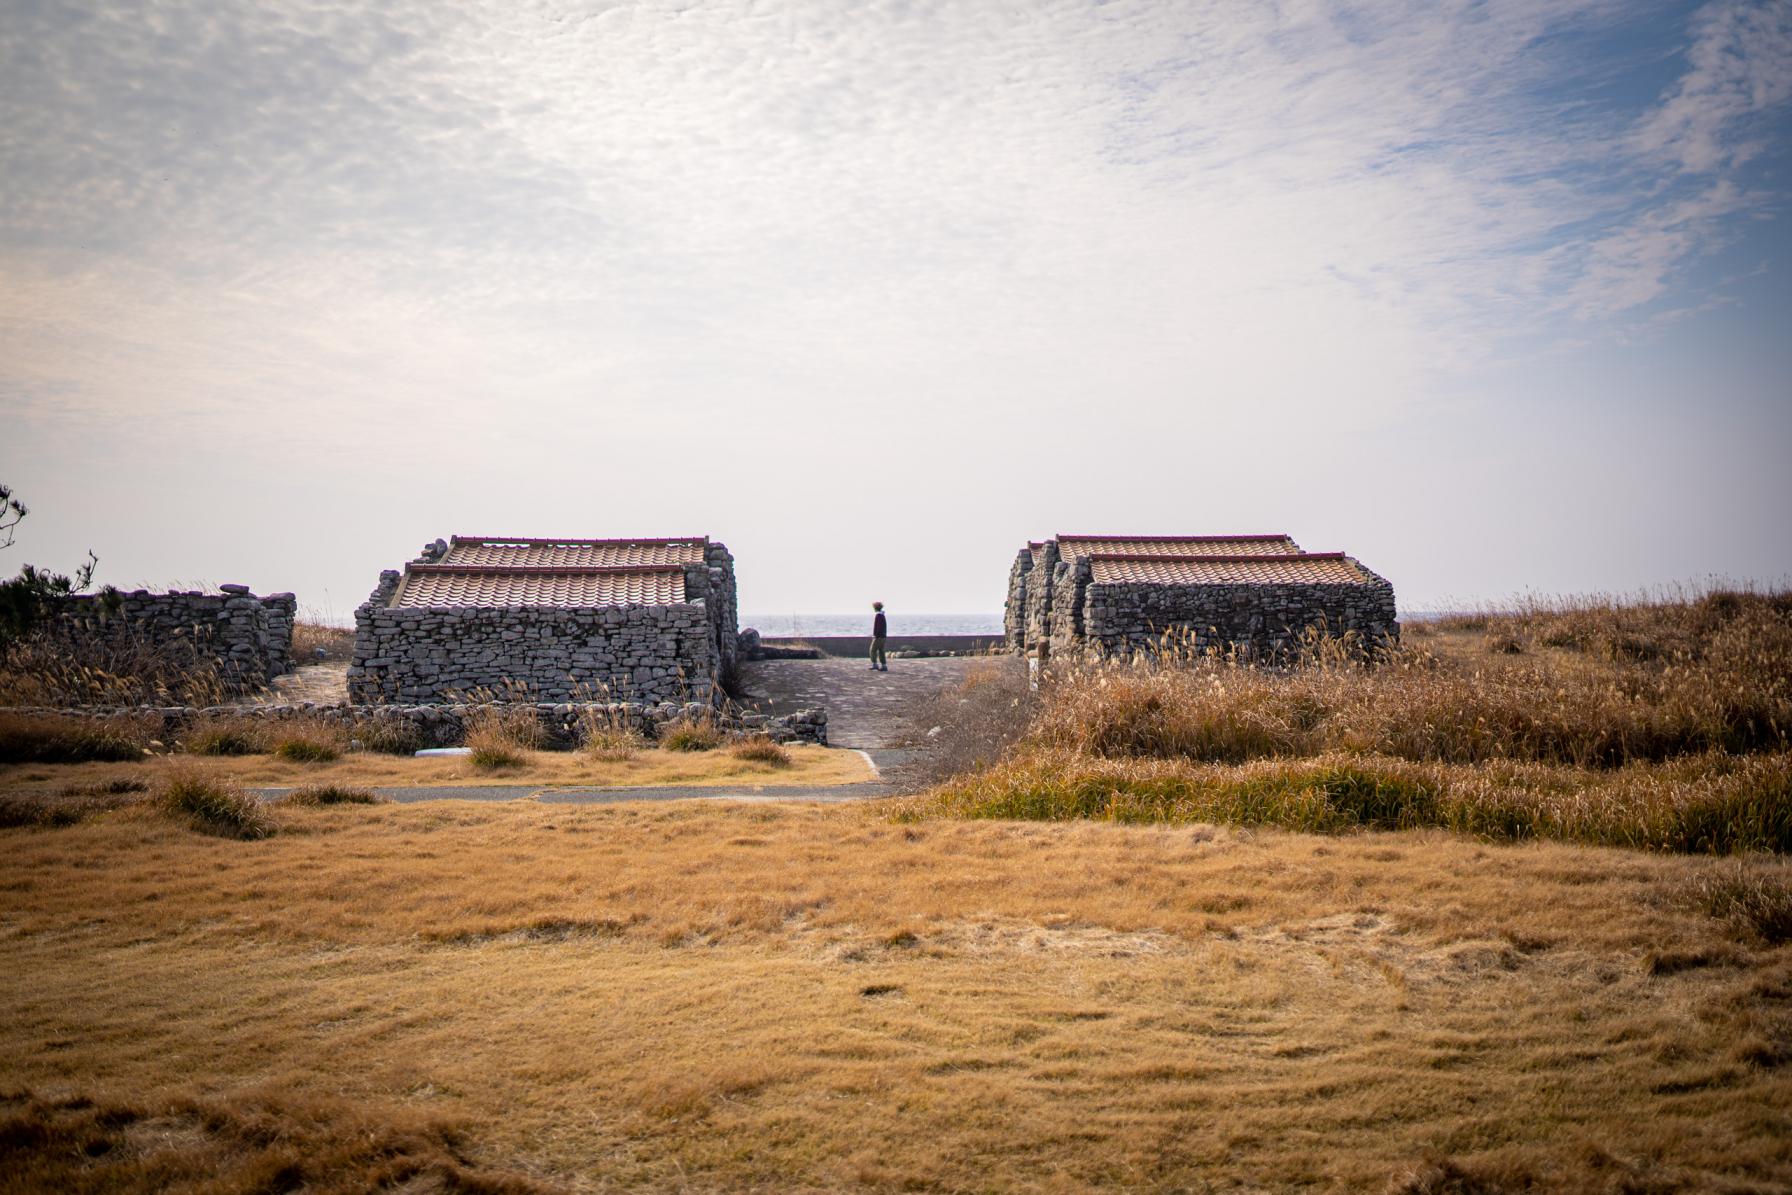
537, 542
1214, 558
1179, 539
537, 570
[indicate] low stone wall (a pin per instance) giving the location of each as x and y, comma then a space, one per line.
445, 725
249, 637
857, 647
554, 653
1263, 620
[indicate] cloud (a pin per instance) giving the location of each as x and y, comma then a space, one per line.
507, 240
1739, 66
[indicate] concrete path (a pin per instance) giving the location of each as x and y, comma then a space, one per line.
867, 710
595, 795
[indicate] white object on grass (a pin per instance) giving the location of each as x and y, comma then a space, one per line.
446, 751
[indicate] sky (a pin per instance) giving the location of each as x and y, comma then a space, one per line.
1493, 296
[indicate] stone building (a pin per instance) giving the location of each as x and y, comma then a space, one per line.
641, 620
1086, 596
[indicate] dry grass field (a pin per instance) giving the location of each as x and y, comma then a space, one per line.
1536, 945
451, 996
1663, 725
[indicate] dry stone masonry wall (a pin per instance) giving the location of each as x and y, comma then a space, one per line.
248, 637
672, 651
440, 725
1266, 620
1202, 596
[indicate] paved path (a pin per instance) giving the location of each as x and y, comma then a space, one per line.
594, 795
868, 710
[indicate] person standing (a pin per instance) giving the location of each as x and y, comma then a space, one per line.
880, 630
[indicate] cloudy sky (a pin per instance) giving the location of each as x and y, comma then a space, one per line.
1493, 296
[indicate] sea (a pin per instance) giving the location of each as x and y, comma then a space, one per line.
798, 626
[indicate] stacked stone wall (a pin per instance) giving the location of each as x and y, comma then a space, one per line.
562, 723
248, 637
1055, 609
1014, 610
551, 653
1042, 581
1262, 620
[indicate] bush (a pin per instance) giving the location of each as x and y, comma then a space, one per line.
605, 735
116, 786
760, 748
48, 738
389, 736
225, 734
1591, 686
691, 734
60, 666
213, 806
333, 794
309, 744
1757, 901
75, 803
501, 736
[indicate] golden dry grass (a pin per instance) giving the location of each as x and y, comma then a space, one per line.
809, 766
703, 997
1664, 725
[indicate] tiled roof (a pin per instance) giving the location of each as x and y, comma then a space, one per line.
1070, 547
1319, 568
574, 553
452, 585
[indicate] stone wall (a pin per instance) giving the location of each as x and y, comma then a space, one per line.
437, 725
713, 582
249, 637
1055, 609
676, 652
1035, 622
1014, 610
1262, 620
551, 653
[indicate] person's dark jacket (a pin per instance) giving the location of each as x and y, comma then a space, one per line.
879, 628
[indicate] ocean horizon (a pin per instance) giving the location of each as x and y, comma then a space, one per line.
795, 626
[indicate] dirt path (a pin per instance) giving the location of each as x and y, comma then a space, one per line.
320, 684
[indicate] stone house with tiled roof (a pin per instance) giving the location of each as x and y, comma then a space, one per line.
643, 620
1114, 595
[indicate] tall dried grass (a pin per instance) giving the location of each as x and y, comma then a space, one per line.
501, 736
45, 738
1665, 726
212, 805
51, 669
